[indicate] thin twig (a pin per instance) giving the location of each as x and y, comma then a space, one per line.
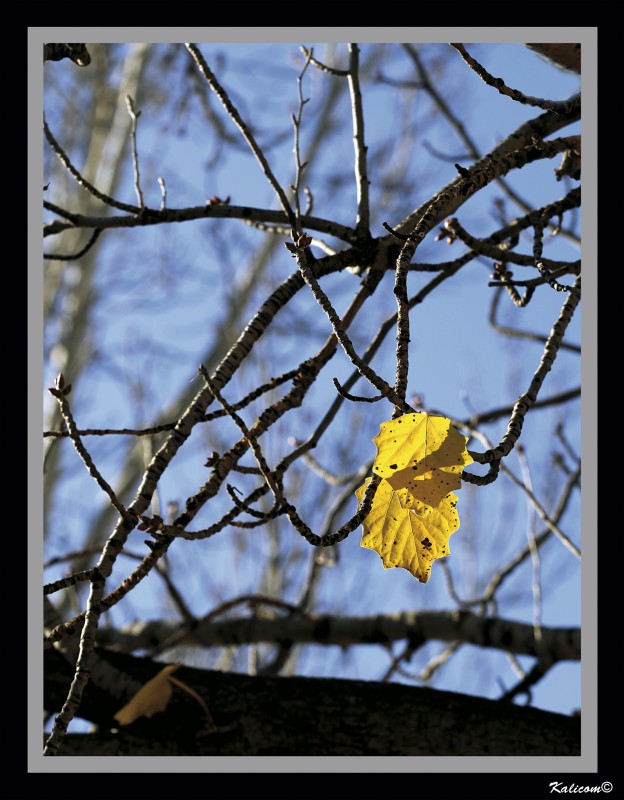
261, 515
543, 515
546, 276
299, 166
507, 331
501, 250
70, 580
341, 335
496, 413
253, 600
322, 472
74, 256
568, 447
526, 400
376, 342
405, 655
323, 67
170, 215
497, 580
169, 426
134, 116
551, 279
533, 548
64, 158
106, 602
538, 671
59, 391
361, 173
174, 592
355, 398
562, 107
289, 509
163, 192
242, 126
72, 556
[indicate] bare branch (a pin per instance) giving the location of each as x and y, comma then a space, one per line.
169, 215
563, 107
241, 125
512, 637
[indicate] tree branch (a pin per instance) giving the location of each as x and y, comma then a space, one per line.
513, 637
260, 716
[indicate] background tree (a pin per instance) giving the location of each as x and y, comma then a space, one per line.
216, 523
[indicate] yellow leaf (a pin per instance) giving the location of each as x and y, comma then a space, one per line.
150, 699
411, 538
413, 445
430, 488
420, 458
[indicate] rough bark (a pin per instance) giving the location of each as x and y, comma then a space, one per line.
309, 717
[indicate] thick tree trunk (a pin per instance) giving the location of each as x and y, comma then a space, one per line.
308, 716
